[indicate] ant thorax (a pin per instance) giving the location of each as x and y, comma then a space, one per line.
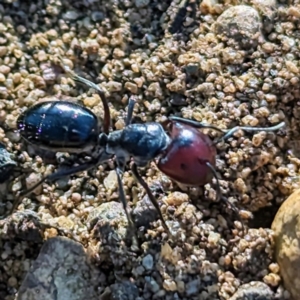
142, 142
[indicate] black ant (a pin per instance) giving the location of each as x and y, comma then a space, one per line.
179, 149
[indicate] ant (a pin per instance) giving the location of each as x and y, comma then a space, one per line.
179, 149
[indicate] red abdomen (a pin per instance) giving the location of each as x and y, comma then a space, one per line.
185, 158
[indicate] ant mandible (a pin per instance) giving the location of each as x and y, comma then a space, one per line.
179, 149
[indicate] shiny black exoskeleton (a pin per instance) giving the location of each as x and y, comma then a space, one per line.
60, 126
142, 142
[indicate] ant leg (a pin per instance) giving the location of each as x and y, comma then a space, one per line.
143, 183
102, 97
130, 108
230, 132
122, 195
124, 202
101, 93
220, 197
195, 124
57, 175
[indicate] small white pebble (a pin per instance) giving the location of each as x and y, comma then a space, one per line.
16, 186
110, 182
170, 285
76, 197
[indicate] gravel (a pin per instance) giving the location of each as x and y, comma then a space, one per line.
227, 63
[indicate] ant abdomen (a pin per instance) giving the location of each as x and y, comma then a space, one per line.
185, 160
59, 126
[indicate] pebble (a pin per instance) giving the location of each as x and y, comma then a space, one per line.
177, 198
2, 78
193, 287
170, 285
254, 290
31, 180
17, 186
141, 3
61, 272
91, 101
110, 212
124, 290
114, 86
214, 238
286, 227
63, 183
267, 9
13, 282
153, 285
7, 166
132, 87
272, 279
97, 16
71, 15
111, 180
3, 51
139, 270
64, 222
76, 197
144, 213
241, 23
148, 262
5, 69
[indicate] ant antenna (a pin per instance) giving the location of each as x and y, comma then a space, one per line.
231, 131
227, 133
101, 93
77, 78
130, 107
194, 123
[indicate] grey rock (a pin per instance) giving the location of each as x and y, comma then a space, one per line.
254, 290
61, 272
124, 291
193, 287
148, 262
108, 218
97, 16
144, 213
7, 165
241, 23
